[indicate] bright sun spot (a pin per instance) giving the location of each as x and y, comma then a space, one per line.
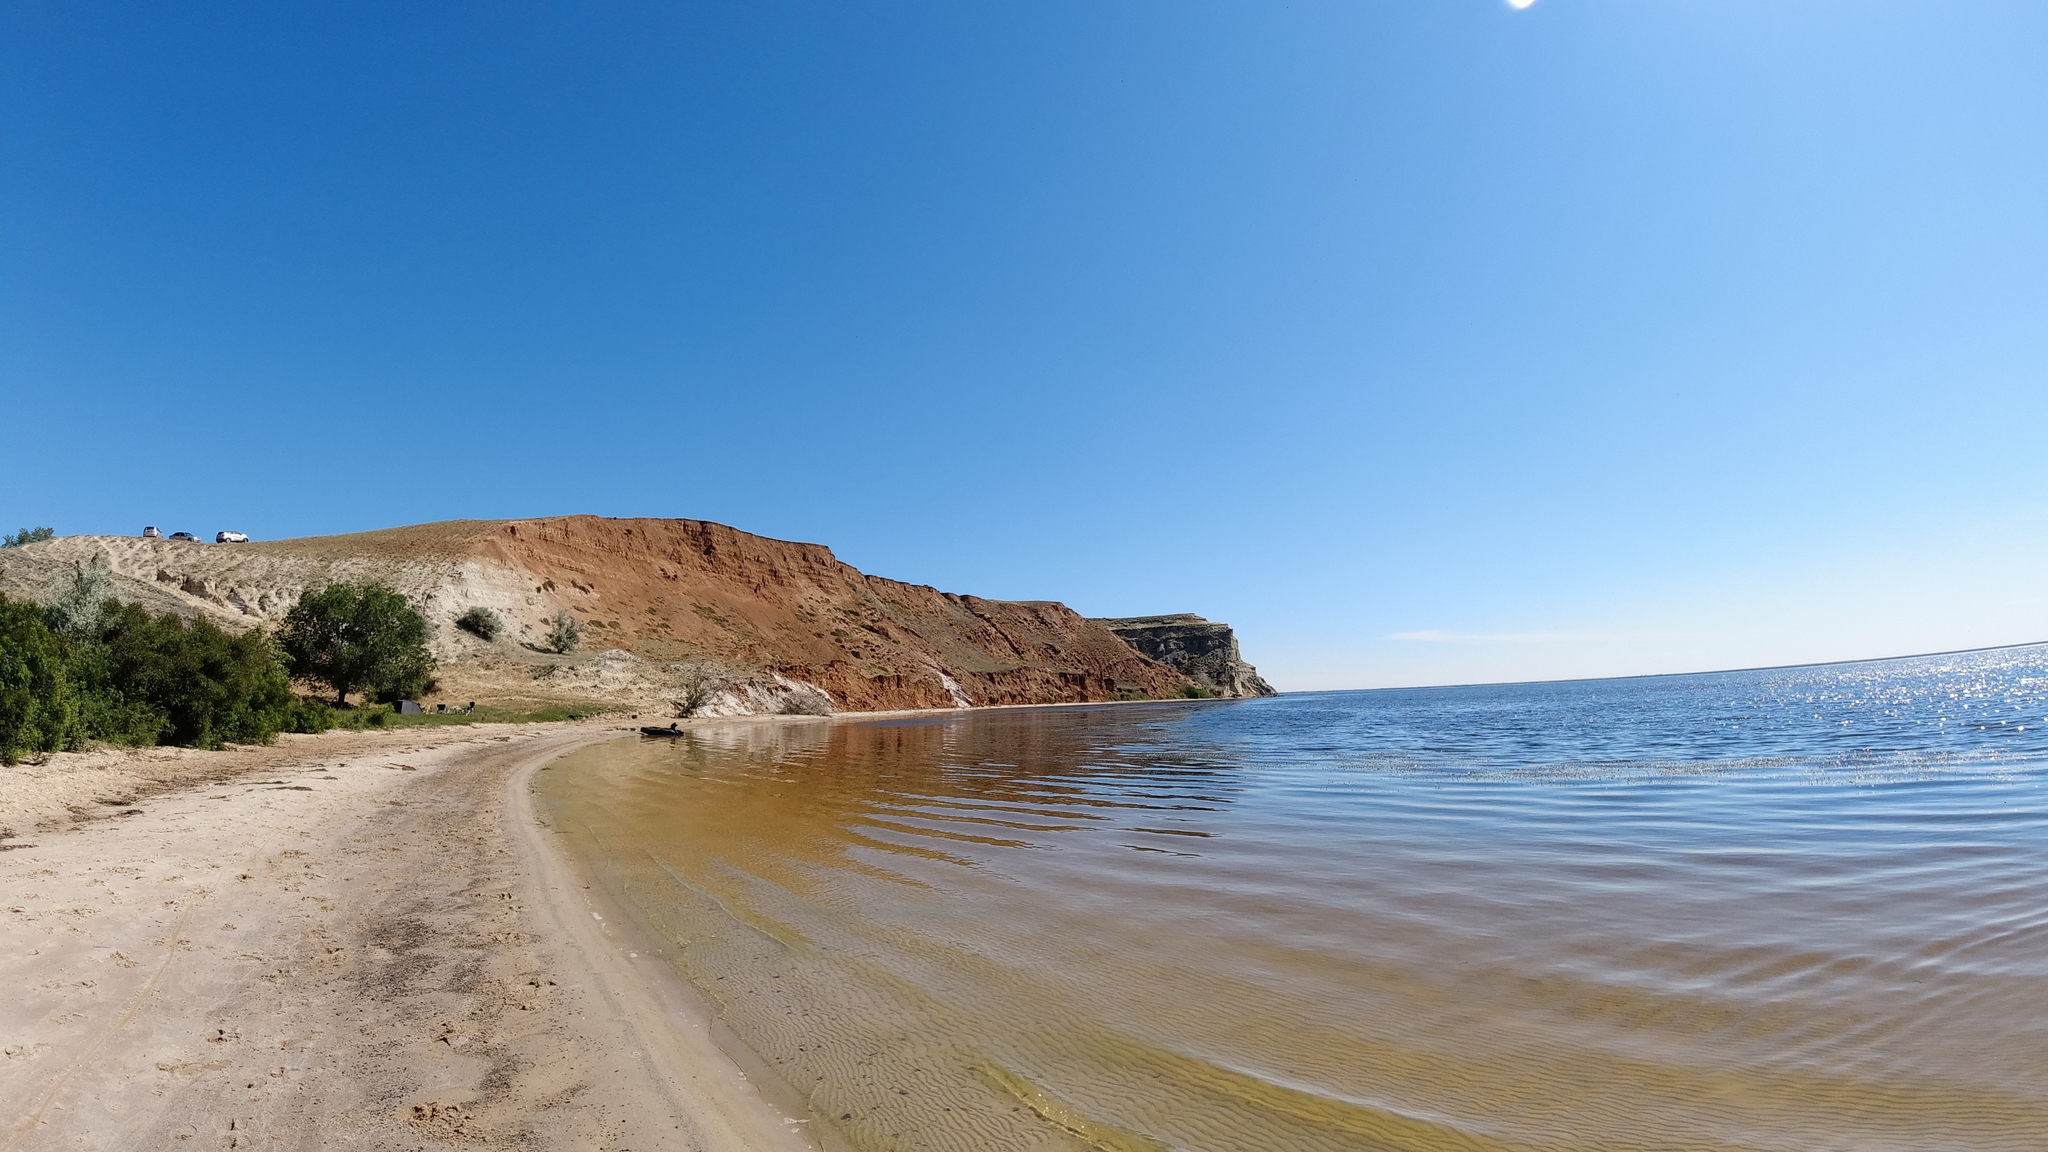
1520, 3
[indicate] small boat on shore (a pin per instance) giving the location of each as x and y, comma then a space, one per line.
671, 730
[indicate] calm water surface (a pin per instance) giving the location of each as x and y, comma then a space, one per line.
1793, 909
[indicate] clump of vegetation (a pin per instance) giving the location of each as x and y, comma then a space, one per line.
1195, 692
481, 623
307, 714
696, 695
38, 707
26, 536
358, 637
135, 679
77, 601
75, 672
383, 717
564, 633
208, 685
700, 683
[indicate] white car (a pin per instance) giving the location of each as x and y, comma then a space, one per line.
231, 538
150, 533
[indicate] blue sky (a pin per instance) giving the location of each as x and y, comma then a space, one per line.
1425, 341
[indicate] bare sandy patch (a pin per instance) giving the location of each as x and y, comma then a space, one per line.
357, 940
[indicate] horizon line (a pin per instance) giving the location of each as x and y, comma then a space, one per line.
1702, 672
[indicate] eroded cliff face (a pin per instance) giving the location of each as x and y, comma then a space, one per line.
662, 601
1202, 650
690, 589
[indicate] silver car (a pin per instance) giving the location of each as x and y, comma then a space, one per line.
231, 538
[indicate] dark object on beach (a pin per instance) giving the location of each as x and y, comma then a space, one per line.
409, 708
671, 730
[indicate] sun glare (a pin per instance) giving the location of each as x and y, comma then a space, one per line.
1520, 3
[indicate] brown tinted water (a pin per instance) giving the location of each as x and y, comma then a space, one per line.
1684, 916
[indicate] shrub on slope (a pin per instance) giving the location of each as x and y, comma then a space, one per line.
481, 623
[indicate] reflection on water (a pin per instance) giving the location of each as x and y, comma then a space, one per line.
1797, 909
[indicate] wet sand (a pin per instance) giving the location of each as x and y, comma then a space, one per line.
356, 940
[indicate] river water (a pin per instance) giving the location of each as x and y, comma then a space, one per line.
1796, 909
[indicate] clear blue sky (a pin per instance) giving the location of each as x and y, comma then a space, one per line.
1425, 341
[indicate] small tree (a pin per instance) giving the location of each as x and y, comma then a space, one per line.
481, 623
77, 601
696, 695
700, 683
26, 536
564, 632
358, 637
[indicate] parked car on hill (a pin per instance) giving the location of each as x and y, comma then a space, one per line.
231, 538
184, 536
150, 533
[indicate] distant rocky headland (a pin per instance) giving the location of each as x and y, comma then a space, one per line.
1202, 650
674, 608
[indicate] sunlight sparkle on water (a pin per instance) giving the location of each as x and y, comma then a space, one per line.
1272, 923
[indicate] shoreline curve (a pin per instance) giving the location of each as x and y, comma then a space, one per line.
353, 940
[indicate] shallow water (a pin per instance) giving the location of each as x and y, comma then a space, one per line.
1792, 909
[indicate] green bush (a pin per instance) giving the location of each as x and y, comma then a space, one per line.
350, 719
211, 686
136, 679
109, 708
26, 536
128, 723
564, 632
307, 715
38, 705
358, 637
481, 623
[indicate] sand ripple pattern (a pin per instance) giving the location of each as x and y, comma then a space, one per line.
1793, 910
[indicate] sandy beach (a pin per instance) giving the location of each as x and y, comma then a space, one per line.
353, 940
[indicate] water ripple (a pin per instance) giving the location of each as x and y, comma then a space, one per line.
1786, 909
